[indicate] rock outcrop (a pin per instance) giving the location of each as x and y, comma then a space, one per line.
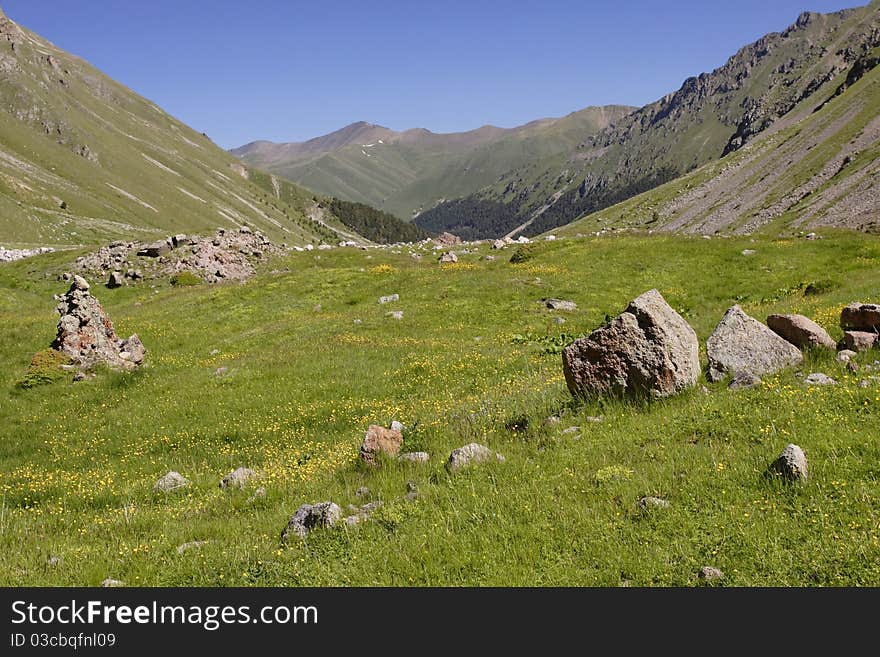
742, 344
648, 350
86, 334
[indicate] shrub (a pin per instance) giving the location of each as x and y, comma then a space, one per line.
45, 367
524, 253
185, 278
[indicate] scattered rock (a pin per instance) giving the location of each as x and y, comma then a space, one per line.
390, 298
398, 426
192, 545
311, 516
363, 491
110, 583
653, 503
238, 478
499, 244
10, 255
861, 317
559, 320
552, 421
560, 304
170, 482
115, 280
801, 331
395, 314
380, 440
53, 562
447, 239
710, 574
648, 350
85, 332
744, 381
749, 252
743, 344
845, 355
412, 491
471, 454
415, 457
571, 430
791, 464
155, 250
258, 494
819, 379
859, 340
448, 257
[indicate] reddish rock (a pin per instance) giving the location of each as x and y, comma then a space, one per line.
801, 331
861, 317
859, 340
380, 440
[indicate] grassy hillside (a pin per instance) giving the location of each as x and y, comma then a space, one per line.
764, 84
85, 160
475, 358
406, 172
818, 167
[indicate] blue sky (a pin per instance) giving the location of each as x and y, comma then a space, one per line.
287, 70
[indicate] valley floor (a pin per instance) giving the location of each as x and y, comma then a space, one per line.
475, 358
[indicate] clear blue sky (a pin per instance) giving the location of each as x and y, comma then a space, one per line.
287, 70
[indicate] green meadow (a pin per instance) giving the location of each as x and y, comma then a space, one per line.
475, 358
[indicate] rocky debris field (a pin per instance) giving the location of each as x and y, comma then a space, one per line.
10, 255
226, 256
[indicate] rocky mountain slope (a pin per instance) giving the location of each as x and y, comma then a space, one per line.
84, 159
818, 166
406, 172
759, 89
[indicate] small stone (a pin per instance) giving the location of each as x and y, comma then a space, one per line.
653, 503
192, 545
748, 252
571, 430
398, 426
395, 314
845, 355
471, 454
237, 478
415, 457
379, 440
53, 562
258, 494
363, 491
110, 583
79, 283
389, 299
412, 491
170, 482
791, 464
310, 517
79, 376
448, 258
358, 322
559, 320
221, 371
710, 574
560, 304
552, 421
744, 381
819, 379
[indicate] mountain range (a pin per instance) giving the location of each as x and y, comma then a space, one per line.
532, 179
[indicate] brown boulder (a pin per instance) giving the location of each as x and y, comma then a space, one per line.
380, 440
648, 350
801, 331
859, 340
861, 317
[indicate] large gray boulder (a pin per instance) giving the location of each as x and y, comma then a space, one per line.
648, 350
742, 344
791, 465
801, 331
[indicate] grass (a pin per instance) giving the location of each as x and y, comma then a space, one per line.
78, 461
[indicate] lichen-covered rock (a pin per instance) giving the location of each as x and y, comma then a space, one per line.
710, 574
801, 331
471, 454
743, 344
86, 335
791, 465
309, 517
648, 350
170, 482
238, 478
379, 440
